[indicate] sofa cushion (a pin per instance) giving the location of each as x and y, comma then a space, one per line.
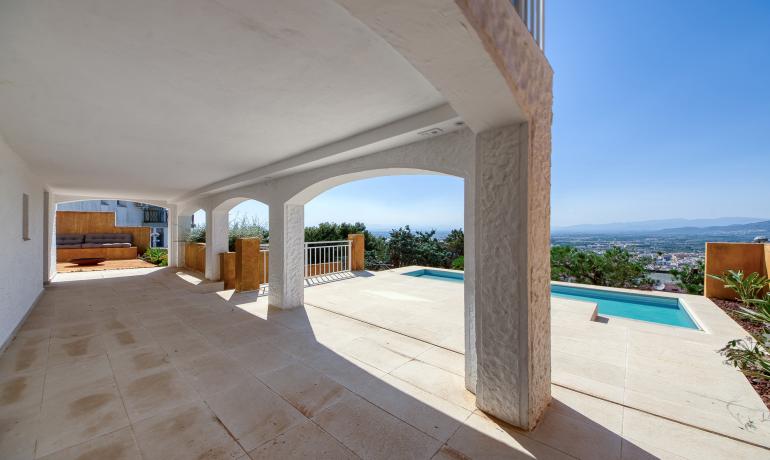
101, 238
106, 245
63, 239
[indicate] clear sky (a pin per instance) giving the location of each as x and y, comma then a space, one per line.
661, 110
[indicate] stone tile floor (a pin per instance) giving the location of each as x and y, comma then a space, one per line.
143, 364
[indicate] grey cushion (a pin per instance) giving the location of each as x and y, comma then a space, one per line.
63, 239
101, 238
106, 245
69, 246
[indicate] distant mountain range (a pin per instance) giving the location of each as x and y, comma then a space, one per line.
716, 226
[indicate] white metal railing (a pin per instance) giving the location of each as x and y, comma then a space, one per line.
532, 12
327, 257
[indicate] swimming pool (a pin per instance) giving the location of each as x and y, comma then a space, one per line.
653, 309
443, 275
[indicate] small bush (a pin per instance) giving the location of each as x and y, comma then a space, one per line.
690, 277
459, 263
197, 235
745, 287
156, 256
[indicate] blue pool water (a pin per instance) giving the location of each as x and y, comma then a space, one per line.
442, 275
661, 310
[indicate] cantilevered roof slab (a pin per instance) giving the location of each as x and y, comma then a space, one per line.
156, 99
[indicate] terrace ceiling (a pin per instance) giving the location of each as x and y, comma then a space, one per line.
149, 99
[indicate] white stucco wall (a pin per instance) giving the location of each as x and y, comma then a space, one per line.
21, 262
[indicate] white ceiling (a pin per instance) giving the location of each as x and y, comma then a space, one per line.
148, 98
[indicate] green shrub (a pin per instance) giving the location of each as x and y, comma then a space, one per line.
759, 310
156, 256
245, 228
690, 277
745, 287
749, 356
196, 235
459, 263
615, 267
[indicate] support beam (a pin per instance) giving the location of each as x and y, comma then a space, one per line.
217, 227
286, 269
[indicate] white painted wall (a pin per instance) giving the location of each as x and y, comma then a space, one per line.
21, 262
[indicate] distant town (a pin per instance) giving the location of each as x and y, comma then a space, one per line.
668, 248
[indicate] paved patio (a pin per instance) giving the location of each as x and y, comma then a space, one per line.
147, 364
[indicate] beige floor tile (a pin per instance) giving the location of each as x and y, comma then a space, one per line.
212, 373
64, 351
118, 445
76, 330
430, 414
25, 354
79, 415
306, 389
253, 414
481, 437
139, 361
190, 431
445, 385
581, 426
374, 354
152, 393
303, 441
18, 433
126, 339
444, 359
345, 370
21, 391
185, 347
372, 433
245, 332
93, 371
260, 357
658, 436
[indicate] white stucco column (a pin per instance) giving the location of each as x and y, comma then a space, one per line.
286, 269
512, 302
217, 226
469, 287
179, 230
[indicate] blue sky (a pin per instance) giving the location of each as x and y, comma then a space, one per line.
661, 110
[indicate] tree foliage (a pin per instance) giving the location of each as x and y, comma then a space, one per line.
615, 267
690, 277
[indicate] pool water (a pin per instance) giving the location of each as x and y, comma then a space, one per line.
654, 309
662, 310
442, 275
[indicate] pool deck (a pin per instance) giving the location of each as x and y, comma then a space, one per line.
157, 364
669, 372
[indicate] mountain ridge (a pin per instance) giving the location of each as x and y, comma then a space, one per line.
660, 225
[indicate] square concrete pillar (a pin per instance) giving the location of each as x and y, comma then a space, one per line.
286, 270
179, 230
357, 251
247, 264
512, 300
217, 228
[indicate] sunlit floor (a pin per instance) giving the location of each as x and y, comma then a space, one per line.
68, 267
144, 364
